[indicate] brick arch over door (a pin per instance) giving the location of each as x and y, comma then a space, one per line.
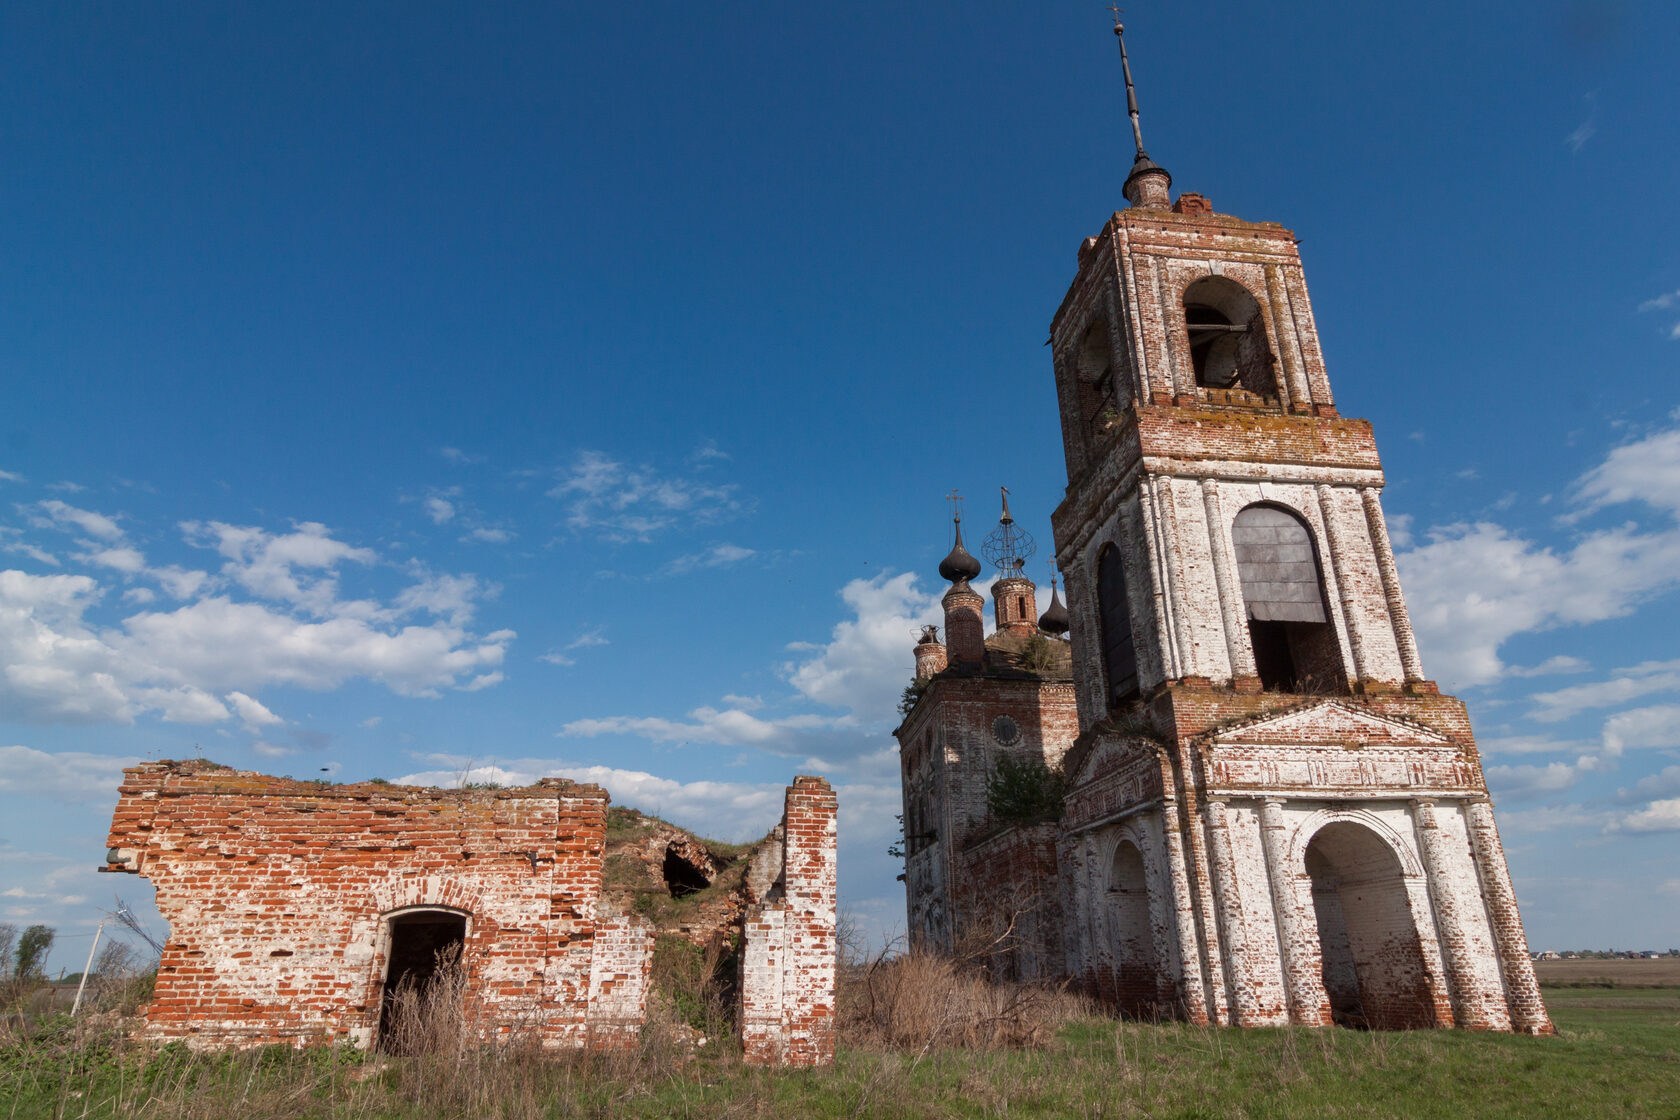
1371, 913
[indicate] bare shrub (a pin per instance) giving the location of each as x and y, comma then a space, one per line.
921, 1001
428, 1015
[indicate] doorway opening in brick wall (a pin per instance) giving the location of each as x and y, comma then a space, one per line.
1373, 962
1132, 940
423, 977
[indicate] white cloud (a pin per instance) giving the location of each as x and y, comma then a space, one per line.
371, 722
717, 556
251, 712
180, 583
1530, 744
868, 660
11, 476
68, 517
269, 750
732, 727
453, 597
439, 509
1527, 781
482, 681
555, 657
1664, 783
64, 776
1471, 587
124, 559
54, 667
1551, 667
623, 503
1643, 470
297, 567
489, 535
1658, 816
1643, 728
1662, 302
1631, 683
745, 703
139, 595
594, 636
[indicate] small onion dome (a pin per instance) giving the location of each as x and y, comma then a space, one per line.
959, 566
1055, 619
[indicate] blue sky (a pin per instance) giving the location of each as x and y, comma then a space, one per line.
422, 391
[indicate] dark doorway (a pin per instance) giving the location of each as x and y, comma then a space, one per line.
422, 942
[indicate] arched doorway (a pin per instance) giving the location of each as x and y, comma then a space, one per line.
1136, 989
421, 995
1374, 973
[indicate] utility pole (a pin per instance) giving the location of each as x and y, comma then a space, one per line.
82, 987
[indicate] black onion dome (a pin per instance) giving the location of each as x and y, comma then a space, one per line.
1055, 619
959, 566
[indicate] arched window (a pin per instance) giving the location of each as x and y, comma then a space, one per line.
1118, 653
1295, 647
1227, 333
1101, 387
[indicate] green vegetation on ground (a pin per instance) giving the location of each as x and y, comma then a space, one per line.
1617, 1054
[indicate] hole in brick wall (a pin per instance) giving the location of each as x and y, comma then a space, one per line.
1374, 973
682, 877
281, 953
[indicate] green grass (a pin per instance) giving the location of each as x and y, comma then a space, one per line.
1617, 1055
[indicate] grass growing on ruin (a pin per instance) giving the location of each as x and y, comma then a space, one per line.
1618, 1055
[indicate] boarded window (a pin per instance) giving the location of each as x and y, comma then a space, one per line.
1295, 648
1118, 653
1277, 565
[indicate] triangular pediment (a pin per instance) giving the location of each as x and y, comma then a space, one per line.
1330, 722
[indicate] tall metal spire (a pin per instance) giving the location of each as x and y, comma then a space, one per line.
1149, 185
1131, 92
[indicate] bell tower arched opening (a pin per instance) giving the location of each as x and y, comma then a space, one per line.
1374, 971
1295, 646
1136, 971
1227, 334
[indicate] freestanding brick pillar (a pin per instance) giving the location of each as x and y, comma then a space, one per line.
787, 962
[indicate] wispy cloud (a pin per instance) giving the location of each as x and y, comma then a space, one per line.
1665, 302
622, 503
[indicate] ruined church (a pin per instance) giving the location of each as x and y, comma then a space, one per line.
1267, 814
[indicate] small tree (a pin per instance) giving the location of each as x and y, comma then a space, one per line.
912, 694
31, 954
1021, 789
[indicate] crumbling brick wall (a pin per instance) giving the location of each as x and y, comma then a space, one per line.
788, 955
1008, 903
278, 895
286, 899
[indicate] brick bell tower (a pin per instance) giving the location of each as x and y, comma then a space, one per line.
1273, 816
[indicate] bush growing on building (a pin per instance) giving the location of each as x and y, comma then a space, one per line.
1023, 790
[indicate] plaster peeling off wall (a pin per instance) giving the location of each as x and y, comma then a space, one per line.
788, 955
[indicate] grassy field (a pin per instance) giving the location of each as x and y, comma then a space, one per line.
1617, 1054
